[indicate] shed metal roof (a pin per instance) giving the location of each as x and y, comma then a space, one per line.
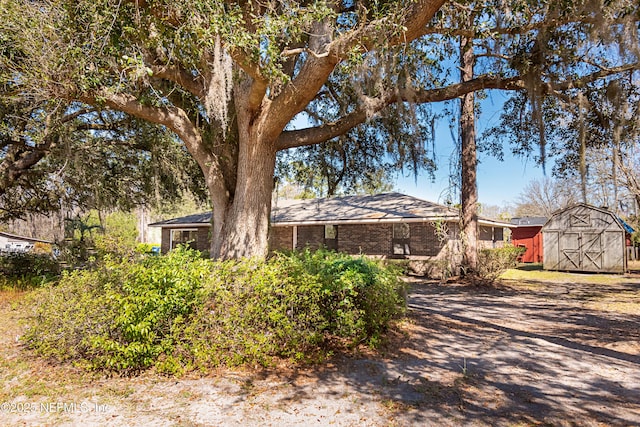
529, 221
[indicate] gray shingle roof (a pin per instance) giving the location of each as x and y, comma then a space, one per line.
385, 207
376, 208
195, 219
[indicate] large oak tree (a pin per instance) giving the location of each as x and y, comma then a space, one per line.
228, 77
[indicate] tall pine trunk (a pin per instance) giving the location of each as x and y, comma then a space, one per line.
469, 196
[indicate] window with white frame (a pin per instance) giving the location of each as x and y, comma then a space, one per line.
184, 237
401, 238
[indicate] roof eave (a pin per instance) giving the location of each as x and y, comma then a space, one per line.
182, 225
386, 220
347, 221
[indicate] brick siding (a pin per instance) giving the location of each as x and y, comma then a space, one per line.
370, 239
424, 241
166, 240
281, 238
203, 239
365, 239
310, 236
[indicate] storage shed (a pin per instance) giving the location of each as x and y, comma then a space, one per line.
584, 238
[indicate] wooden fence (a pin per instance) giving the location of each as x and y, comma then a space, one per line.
633, 253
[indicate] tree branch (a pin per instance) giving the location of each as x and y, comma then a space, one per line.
324, 132
316, 70
180, 76
260, 83
590, 78
173, 118
299, 50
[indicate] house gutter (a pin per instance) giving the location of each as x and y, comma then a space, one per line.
180, 225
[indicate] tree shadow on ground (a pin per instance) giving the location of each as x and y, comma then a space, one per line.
494, 357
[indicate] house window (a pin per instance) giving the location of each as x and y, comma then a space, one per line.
330, 231
331, 236
185, 236
401, 237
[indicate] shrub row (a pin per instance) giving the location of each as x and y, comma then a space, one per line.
181, 312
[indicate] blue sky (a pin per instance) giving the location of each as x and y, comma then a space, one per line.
499, 182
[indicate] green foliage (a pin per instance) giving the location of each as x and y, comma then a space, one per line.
493, 262
180, 312
125, 164
96, 236
24, 269
120, 316
362, 295
119, 235
146, 248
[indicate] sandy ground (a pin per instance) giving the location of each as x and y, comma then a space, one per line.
466, 357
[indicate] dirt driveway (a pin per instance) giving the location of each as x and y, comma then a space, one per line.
558, 354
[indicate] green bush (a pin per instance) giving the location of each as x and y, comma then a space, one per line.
118, 237
493, 262
28, 269
180, 311
362, 295
147, 248
119, 316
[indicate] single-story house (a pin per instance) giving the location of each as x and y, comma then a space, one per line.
386, 225
527, 232
191, 229
585, 238
14, 243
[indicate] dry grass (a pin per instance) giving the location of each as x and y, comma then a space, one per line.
618, 293
21, 374
534, 273
622, 307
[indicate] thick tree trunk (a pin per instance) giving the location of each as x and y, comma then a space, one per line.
241, 217
246, 223
469, 202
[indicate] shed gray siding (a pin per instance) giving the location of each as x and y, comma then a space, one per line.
584, 238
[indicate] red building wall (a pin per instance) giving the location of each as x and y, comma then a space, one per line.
531, 238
